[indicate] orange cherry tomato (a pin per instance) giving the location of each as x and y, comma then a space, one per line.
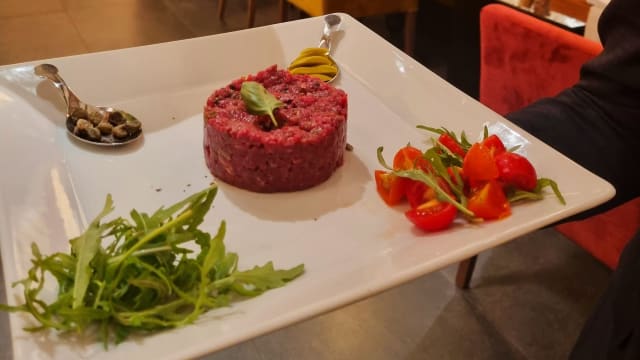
479, 164
489, 201
391, 188
408, 158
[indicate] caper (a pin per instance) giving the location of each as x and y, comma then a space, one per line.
133, 125
105, 128
116, 118
86, 130
93, 134
96, 117
79, 114
120, 132
73, 120
82, 125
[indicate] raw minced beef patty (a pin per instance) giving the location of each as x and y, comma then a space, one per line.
304, 150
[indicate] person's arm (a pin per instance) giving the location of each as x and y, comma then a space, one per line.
597, 122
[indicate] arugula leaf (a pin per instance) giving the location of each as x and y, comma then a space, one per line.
544, 182
85, 248
536, 194
145, 279
258, 100
262, 278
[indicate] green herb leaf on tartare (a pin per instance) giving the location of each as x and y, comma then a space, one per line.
259, 101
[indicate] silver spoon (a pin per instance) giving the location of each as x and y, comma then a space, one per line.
96, 125
332, 24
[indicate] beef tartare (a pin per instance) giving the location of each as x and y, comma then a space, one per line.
302, 151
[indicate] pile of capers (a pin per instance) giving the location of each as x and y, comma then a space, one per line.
104, 126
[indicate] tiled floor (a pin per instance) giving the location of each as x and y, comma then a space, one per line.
529, 298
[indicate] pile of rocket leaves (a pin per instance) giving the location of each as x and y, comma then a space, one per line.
145, 279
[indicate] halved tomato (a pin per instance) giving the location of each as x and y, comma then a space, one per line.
479, 164
390, 187
419, 193
489, 202
495, 145
432, 216
406, 158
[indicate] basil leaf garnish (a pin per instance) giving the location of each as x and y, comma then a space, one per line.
258, 100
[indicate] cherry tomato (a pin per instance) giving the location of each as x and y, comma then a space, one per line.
391, 188
494, 143
451, 144
406, 158
418, 193
432, 216
479, 164
515, 170
489, 202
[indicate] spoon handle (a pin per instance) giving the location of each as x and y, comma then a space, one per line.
50, 72
331, 25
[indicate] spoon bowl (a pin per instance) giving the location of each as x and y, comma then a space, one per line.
96, 125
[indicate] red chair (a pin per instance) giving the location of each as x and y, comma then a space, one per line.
523, 59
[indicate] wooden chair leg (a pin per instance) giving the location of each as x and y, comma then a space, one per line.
409, 32
251, 9
221, 6
465, 271
283, 10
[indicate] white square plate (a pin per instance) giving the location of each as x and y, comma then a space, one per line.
353, 245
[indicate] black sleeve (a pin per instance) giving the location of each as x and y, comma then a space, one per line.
597, 122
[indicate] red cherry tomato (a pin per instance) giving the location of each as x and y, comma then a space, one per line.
515, 170
391, 188
489, 202
479, 164
494, 144
432, 216
451, 144
419, 193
